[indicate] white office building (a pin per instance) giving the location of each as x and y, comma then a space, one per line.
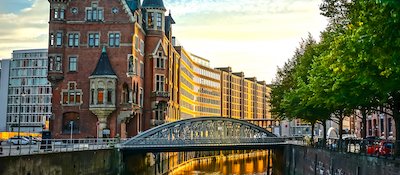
4, 72
29, 92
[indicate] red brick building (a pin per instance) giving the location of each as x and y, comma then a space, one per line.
160, 66
85, 37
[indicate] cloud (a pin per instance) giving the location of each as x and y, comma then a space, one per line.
25, 28
254, 36
14, 6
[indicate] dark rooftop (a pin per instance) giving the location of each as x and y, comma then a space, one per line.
153, 4
133, 4
103, 66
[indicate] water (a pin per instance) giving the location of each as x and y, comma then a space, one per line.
204, 163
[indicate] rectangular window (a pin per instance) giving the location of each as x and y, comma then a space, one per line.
114, 39
100, 16
109, 96
100, 96
51, 39
141, 47
131, 65
159, 114
51, 63
141, 96
65, 97
71, 95
136, 42
150, 23
62, 14
58, 63
70, 40
136, 66
55, 13
76, 40
72, 64
117, 39
94, 39
160, 83
59, 39
159, 21
160, 63
94, 13
91, 40
111, 39
141, 70
89, 15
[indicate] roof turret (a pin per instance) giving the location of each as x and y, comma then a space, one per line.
103, 67
159, 4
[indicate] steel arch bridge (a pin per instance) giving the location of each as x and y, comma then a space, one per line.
203, 133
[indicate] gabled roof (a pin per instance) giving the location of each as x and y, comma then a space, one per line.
153, 4
133, 4
103, 67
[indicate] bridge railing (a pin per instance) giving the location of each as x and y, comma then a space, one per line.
56, 145
162, 142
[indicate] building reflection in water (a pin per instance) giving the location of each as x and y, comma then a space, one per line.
236, 162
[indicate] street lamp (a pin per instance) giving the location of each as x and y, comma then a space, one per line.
71, 123
22, 94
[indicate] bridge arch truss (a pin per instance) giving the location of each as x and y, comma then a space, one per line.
203, 132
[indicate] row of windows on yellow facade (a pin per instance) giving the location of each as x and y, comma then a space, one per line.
205, 91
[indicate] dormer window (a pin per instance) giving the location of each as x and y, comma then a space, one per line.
59, 14
94, 13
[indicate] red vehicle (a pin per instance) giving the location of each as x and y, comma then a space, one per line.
373, 145
381, 148
373, 149
386, 148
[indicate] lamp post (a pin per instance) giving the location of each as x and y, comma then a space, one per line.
22, 94
71, 123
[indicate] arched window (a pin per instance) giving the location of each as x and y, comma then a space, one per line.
70, 121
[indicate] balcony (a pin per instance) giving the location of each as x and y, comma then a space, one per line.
161, 94
55, 77
155, 122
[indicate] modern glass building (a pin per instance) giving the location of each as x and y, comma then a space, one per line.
29, 92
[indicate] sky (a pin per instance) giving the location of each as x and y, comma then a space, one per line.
251, 36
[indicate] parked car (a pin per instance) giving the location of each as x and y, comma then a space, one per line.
18, 141
385, 148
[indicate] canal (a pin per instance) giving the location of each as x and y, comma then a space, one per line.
237, 162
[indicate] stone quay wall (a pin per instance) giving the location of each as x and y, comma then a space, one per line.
300, 160
63, 163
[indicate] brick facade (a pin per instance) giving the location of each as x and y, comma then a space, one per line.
71, 19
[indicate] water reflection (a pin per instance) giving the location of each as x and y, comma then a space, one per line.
254, 162
201, 163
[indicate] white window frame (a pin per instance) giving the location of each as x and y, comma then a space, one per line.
76, 64
159, 83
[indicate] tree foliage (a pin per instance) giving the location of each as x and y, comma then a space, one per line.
355, 66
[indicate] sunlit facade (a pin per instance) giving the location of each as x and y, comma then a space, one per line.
200, 93
245, 98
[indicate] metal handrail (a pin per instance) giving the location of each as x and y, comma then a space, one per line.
58, 145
